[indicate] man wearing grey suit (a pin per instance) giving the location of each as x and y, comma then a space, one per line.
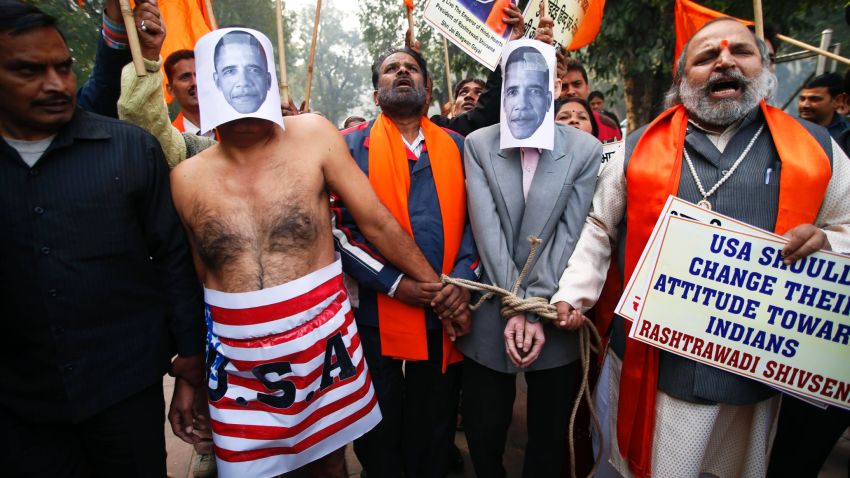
513, 194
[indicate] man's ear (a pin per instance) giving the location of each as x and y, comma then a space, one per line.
215, 80
268, 81
375, 97
168, 89
557, 88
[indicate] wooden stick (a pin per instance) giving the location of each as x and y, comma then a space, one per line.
815, 49
448, 71
281, 55
312, 55
211, 15
133, 37
758, 17
410, 26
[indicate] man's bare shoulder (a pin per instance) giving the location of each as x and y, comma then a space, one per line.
190, 170
309, 126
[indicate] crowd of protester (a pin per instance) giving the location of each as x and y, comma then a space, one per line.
115, 231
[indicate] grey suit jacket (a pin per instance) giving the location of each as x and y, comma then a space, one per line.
558, 202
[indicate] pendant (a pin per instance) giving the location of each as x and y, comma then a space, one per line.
704, 204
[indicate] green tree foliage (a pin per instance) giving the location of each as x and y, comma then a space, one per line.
383, 24
81, 26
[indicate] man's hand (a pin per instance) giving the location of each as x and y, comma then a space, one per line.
418, 294
569, 318
803, 240
190, 369
515, 338
513, 19
544, 27
181, 413
458, 325
289, 108
150, 27
532, 343
450, 301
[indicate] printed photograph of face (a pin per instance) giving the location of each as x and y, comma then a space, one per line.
241, 72
527, 97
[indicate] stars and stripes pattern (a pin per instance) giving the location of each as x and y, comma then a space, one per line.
288, 383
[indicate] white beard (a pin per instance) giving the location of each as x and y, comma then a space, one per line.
726, 111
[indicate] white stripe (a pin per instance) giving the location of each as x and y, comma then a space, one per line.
276, 294
246, 444
293, 346
264, 418
275, 465
278, 326
357, 252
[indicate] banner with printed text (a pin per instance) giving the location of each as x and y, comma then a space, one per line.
567, 15
726, 299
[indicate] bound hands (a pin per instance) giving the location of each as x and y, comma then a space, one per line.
568, 317
523, 340
449, 302
188, 412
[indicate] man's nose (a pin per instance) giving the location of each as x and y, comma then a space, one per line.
53, 80
725, 59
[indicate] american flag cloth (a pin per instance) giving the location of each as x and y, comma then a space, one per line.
288, 383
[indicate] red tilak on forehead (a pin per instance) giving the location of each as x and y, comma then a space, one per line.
724, 43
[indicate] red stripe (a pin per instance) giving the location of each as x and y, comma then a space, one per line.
243, 456
307, 327
299, 381
271, 432
271, 312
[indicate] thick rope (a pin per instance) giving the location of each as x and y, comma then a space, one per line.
589, 340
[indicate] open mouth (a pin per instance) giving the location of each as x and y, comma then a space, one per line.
192, 91
403, 82
468, 105
724, 87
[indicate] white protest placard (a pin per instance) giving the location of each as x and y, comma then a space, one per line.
726, 299
475, 26
631, 301
567, 15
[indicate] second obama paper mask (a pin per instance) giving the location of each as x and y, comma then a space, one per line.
527, 115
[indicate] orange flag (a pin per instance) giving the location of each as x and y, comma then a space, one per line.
590, 25
409, 4
690, 17
185, 21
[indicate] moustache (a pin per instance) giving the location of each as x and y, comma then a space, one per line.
52, 100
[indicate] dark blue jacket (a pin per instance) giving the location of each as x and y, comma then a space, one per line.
365, 264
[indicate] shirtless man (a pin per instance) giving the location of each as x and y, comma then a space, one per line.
256, 207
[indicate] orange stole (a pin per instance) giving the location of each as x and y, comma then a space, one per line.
178, 123
402, 327
652, 175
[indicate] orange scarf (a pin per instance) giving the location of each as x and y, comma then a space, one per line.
652, 175
402, 327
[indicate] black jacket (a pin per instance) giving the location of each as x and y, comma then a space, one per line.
96, 280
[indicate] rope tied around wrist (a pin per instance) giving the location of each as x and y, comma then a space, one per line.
512, 305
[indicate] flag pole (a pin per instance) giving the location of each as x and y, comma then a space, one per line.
758, 17
410, 24
211, 15
281, 55
815, 49
448, 71
312, 55
133, 37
